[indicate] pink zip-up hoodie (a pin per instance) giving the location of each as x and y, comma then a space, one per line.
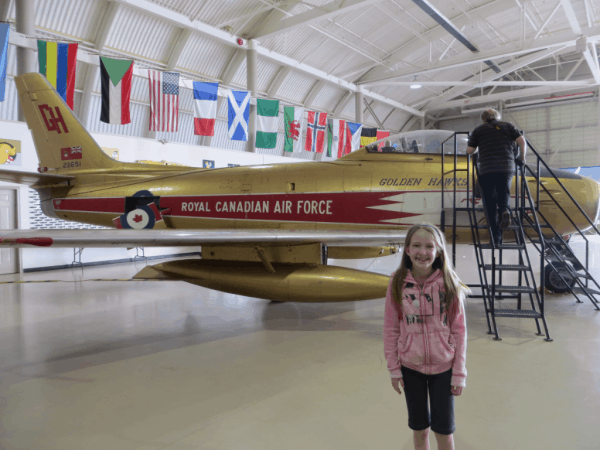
422, 335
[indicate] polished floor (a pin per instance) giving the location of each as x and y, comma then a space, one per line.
167, 365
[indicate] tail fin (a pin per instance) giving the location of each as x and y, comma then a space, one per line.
61, 141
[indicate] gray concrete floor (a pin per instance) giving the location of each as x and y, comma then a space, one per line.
167, 365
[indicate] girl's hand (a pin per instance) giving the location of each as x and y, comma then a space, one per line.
456, 390
395, 384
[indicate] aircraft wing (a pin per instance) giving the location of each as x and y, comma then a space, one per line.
175, 238
30, 178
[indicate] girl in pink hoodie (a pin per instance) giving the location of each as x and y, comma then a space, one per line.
425, 335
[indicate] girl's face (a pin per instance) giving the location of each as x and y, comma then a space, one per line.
422, 250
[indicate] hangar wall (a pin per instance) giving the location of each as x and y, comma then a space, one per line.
566, 133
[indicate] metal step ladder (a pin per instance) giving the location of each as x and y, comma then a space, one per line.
562, 269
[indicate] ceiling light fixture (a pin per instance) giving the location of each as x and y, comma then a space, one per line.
415, 84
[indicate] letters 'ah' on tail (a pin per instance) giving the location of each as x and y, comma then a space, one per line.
61, 141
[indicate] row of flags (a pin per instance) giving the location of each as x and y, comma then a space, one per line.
58, 61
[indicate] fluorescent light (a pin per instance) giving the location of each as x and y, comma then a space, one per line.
415, 86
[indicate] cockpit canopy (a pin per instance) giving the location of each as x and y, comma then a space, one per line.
421, 141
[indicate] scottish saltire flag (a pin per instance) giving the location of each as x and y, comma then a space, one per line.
292, 128
205, 108
115, 81
316, 128
164, 100
4, 31
352, 136
239, 114
267, 115
58, 62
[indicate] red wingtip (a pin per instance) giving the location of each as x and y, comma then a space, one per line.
38, 242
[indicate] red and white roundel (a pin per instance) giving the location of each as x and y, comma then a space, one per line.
138, 219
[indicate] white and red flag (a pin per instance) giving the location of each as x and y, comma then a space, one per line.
71, 153
164, 100
316, 131
205, 108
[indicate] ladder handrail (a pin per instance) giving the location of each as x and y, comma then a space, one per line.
561, 185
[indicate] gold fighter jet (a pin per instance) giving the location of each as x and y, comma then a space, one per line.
265, 231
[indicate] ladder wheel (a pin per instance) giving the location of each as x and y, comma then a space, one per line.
553, 280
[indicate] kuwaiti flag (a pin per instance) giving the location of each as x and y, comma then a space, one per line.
293, 128
267, 115
58, 62
4, 30
205, 108
337, 137
316, 129
115, 80
239, 114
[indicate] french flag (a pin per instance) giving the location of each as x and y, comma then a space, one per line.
205, 108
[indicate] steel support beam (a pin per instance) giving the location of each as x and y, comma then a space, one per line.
310, 98
182, 40
557, 42
379, 122
26, 57
358, 102
279, 79
520, 93
91, 75
319, 13
342, 104
490, 75
182, 21
4, 10
251, 86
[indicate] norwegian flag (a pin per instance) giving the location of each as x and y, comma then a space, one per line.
164, 100
316, 131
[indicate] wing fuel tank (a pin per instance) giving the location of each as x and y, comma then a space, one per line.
289, 283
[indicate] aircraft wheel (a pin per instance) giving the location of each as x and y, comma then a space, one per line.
553, 281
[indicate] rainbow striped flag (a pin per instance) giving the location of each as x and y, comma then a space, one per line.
58, 62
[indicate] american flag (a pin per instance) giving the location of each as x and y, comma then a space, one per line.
164, 100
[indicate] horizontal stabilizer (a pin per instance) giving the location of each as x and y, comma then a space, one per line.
31, 178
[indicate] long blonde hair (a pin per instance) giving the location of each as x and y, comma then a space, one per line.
453, 287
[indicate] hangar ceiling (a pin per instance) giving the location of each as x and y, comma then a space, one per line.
320, 52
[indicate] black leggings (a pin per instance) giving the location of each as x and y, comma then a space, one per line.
495, 190
416, 388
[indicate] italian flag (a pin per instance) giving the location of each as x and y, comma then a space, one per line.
293, 128
115, 77
267, 114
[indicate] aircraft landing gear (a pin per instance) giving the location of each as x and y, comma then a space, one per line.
553, 281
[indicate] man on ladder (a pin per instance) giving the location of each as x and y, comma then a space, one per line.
496, 163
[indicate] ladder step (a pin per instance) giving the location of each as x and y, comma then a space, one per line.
503, 247
517, 313
509, 228
507, 267
553, 258
514, 289
579, 290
